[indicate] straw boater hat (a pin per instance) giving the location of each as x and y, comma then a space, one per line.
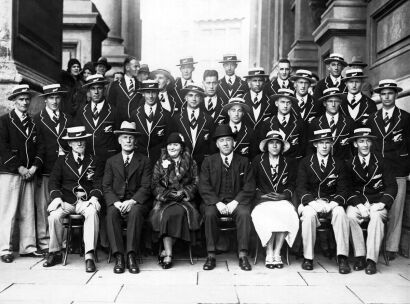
193, 87
76, 133
287, 93
331, 92
357, 61
387, 84
256, 72
335, 57
322, 134
237, 101
95, 79
354, 74
362, 133
52, 89
223, 130
303, 74
149, 85
128, 128
20, 89
229, 58
103, 61
271, 135
187, 61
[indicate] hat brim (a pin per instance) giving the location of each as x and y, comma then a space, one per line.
107, 65
243, 105
228, 61
379, 89
215, 137
121, 132
286, 145
185, 91
148, 89
76, 138
53, 93
103, 82
190, 63
259, 75
353, 77
319, 139
323, 98
294, 78
12, 96
275, 97
352, 138
329, 60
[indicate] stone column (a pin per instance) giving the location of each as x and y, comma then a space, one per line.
131, 27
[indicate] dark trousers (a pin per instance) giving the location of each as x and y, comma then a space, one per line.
135, 220
242, 217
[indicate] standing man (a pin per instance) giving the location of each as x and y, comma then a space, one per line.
230, 85
391, 125
282, 81
213, 102
143, 72
127, 189
19, 160
168, 97
357, 63
227, 187
186, 66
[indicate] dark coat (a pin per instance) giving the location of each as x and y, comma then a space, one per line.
174, 101
324, 84
246, 142
218, 115
366, 106
70, 101
117, 187
312, 109
226, 91
268, 109
16, 147
273, 86
377, 184
332, 184
211, 177
178, 87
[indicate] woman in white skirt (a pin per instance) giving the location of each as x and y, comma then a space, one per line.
274, 217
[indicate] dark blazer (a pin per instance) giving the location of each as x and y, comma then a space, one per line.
116, 185
175, 102
50, 141
246, 143
284, 183
273, 86
242, 178
377, 184
366, 106
332, 184
393, 145
312, 109
178, 87
327, 83
16, 147
268, 109
226, 91
218, 115
65, 179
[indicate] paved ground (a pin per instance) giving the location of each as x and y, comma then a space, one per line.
26, 281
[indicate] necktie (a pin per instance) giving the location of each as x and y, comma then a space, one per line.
210, 104
235, 129
332, 124
186, 82
95, 112
25, 122
386, 120
353, 103
284, 123
322, 165
127, 161
193, 120
283, 85
150, 116
364, 164
255, 103
274, 172
302, 104
336, 83
131, 88
161, 97
226, 162
230, 81
79, 162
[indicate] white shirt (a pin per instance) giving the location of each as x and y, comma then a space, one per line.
305, 99
51, 114
186, 82
366, 159
214, 100
232, 78
355, 111
390, 114
334, 80
274, 162
230, 156
281, 116
20, 115
280, 82
124, 156
165, 104
335, 118
147, 112
256, 111
193, 130
99, 107
76, 156
237, 125
320, 157
128, 81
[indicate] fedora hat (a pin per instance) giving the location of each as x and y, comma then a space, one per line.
52, 89
303, 74
256, 72
103, 61
20, 89
357, 61
274, 135
237, 101
127, 127
387, 84
76, 133
322, 134
192, 87
95, 79
331, 92
187, 61
223, 130
335, 57
287, 93
362, 133
354, 74
149, 85
229, 58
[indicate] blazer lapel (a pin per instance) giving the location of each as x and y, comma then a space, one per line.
357, 168
282, 166
314, 165
396, 118
183, 118
157, 117
72, 164
141, 119
87, 114
265, 165
105, 112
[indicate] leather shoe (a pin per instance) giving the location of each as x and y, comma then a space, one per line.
244, 264
119, 266
371, 267
390, 255
307, 264
7, 258
132, 263
344, 267
167, 262
210, 263
53, 258
360, 263
89, 265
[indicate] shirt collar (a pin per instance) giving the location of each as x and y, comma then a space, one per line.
51, 112
128, 79
20, 114
334, 80
389, 111
357, 96
230, 156
99, 105
124, 156
280, 82
320, 157
76, 155
280, 116
189, 111
253, 95
232, 78
238, 125
147, 107
335, 117
367, 158
274, 162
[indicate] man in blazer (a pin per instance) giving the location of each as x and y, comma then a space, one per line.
187, 67
372, 193
322, 186
355, 104
19, 160
51, 124
75, 188
391, 125
126, 185
282, 81
230, 85
168, 98
227, 187
213, 103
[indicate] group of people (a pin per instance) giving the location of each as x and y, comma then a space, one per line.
274, 155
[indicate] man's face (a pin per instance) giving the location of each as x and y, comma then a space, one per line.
163, 81
388, 97
132, 68
186, 71
53, 102
363, 146
127, 142
335, 68
210, 85
302, 86
96, 92
236, 113
77, 146
274, 147
283, 70
150, 97
256, 84
354, 85
141, 76
225, 144
101, 69
323, 147
75, 69
193, 99
22, 102
284, 105
230, 68
332, 105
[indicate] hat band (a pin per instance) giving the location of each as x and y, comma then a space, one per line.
388, 85
337, 58
127, 130
75, 134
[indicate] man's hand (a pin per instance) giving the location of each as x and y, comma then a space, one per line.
318, 207
94, 201
118, 205
277, 196
126, 205
55, 203
68, 208
364, 211
23, 171
332, 205
377, 207
232, 206
222, 208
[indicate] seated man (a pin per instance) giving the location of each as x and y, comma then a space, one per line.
74, 187
227, 186
322, 186
371, 195
126, 185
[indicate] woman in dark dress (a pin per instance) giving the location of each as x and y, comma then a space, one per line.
175, 186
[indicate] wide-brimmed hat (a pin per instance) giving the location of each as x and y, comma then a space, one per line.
229, 58
353, 74
237, 101
192, 87
95, 79
287, 93
103, 61
149, 85
274, 135
76, 133
52, 89
388, 84
129, 128
362, 133
20, 89
335, 57
357, 61
322, 134
144, 68
223, 130
303, 74
256, 72
176, 138
164, 72
331, 92
187, 61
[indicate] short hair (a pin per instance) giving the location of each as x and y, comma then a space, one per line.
210, 73
284, 60
127, 60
